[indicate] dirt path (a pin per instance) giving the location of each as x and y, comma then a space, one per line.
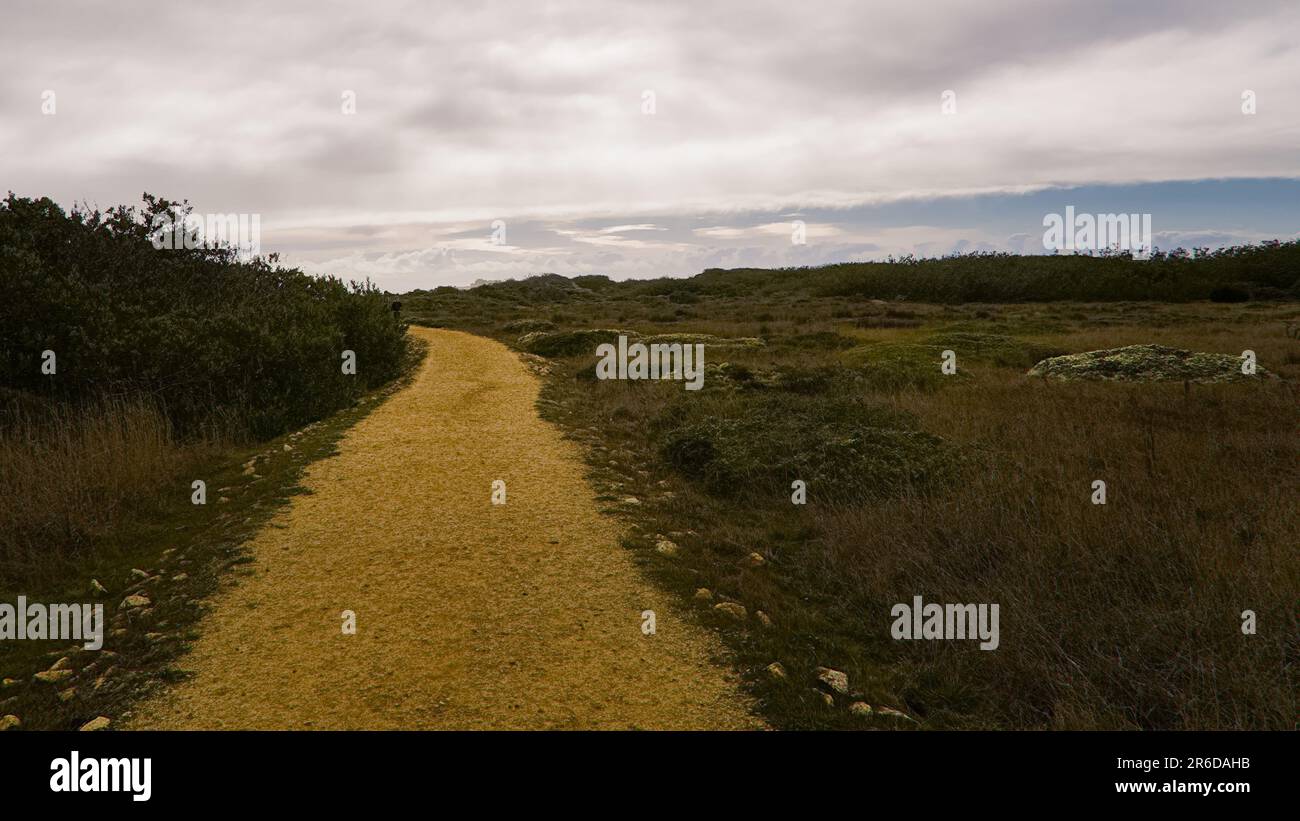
469, 615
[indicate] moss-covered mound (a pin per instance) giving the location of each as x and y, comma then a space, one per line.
755, 444
574, 343
706, 339
1147, 363
569, 343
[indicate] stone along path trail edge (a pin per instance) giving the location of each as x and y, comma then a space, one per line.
469, 615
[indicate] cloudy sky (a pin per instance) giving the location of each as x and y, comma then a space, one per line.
658, 138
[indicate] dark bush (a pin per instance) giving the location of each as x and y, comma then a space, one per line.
214, 339
1229, 293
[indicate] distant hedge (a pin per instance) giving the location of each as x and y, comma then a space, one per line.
1264, 272
216, 339
1267, 271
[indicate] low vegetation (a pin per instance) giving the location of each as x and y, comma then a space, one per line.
976, 487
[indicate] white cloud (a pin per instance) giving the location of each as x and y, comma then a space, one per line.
532, 111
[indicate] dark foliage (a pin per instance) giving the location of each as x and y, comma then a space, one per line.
216, 340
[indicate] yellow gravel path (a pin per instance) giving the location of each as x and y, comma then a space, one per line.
469, 615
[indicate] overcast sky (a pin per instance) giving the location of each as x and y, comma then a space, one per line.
537, 114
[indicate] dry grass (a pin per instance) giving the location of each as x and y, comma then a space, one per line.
1122, 616
69, 474
1125, 615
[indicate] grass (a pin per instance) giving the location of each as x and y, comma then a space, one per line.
973, 488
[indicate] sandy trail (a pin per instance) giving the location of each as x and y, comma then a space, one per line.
469, 615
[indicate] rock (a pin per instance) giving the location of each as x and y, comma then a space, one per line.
53, 676
892, 713
730, 608
763, 618
96, 723
1147, 363
826, 698
63, 663
99, 682
630, 501
249, 471
286, 448
776, 672
9, 682
753, 560
97, 588
860, 709
10, 722
833, 680
138, 573
180, 577
704, 594
135, 600
666, 548
68, 694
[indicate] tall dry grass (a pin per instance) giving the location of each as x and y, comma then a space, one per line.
1123, 615
69, 474
1127, 615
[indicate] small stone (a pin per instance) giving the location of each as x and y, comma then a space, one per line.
154, 636
180, 577
666, 548
826, 698
631, 501
860, 709
833, 680
9, 682
9, 722
754, 560
221, 500
763, 618
52, 676
287, 448
730, 608
138, 573
96, 723
134, 600
63, 663
892, 713
776, 672
249, 471
704, 594
68, 694
97, 588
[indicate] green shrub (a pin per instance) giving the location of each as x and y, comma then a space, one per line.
757, 444
893, 366
568, 343
215, 340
